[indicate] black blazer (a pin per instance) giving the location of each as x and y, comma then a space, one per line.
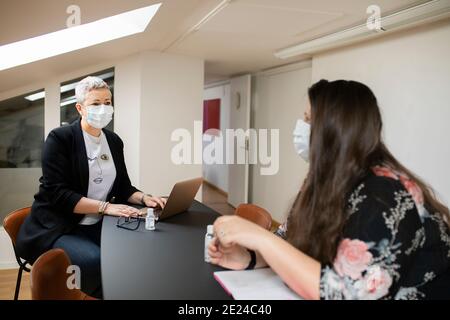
64, 182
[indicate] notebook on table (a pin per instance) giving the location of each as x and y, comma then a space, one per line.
258, 284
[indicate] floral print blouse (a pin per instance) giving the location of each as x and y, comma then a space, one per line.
392, 247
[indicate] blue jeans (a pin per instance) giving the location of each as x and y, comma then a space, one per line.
82, 246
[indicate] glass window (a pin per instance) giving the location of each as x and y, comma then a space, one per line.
68, 111
22, 131
21, 140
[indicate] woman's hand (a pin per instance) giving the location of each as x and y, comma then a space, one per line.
234, 230
234, 257
121, 210
153, 202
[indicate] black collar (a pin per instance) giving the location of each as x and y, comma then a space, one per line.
80, 152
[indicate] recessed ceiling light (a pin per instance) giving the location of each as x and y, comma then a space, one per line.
36, 96
75, 38
66, 87
68, 101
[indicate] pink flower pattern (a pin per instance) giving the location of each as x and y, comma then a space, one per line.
375, 284
353, 257
384, 172
380, 239
409, 184
367, 270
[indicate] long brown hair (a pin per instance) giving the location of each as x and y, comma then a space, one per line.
345, 143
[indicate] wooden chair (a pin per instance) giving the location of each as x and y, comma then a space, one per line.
12, 224
255, 214
49, 278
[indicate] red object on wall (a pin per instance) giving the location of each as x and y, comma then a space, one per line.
211, 114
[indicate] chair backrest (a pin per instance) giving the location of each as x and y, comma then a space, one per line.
14, 221
49, 278
255, 214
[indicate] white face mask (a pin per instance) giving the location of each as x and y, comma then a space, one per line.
99, 116
302, 133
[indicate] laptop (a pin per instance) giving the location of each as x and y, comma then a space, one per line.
180, 198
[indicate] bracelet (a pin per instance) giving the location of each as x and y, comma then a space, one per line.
102, 207
252, 263
142, 198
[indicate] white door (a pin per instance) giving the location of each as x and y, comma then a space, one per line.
240, 91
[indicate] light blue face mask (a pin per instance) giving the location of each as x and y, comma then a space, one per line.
302, 133
99, 116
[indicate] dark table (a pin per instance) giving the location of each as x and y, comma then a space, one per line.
167, 263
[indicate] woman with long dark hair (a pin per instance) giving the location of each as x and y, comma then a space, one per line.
362, 226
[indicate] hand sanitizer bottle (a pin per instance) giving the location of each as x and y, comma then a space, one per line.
208, 237
150, 219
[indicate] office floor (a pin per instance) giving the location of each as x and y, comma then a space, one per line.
216, 200
8, 285
211, 197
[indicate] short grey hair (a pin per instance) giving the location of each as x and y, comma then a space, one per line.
87, 84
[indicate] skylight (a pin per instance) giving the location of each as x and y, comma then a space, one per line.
75, 38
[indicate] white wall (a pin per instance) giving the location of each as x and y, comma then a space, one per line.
217, 174
127, 104
155, 94
172, 98
410, 75
278, 101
